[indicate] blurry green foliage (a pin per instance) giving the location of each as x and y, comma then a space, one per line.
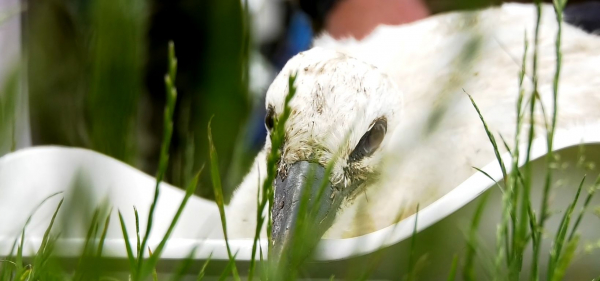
86, 73
96, 80
57, 65
115, 54
221, 90
8, 103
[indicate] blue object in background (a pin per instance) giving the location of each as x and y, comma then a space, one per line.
297, 38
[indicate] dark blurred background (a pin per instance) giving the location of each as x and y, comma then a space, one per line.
95, 71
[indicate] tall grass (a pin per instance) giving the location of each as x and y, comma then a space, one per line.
520, 225
43, 265
266, 192
218, 190
139, 266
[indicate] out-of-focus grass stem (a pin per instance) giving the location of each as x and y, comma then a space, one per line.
166, 142
277, 137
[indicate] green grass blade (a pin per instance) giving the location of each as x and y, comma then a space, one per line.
83, 266
39, 206
103, 236
203, 270
154, 274
43, 268
565, 260
558, 7
43, 254
153, 259
46, 237
492, 140
91, 233
9, 258
468, 269
555, 252
137, 232
506, 146
130, 256
508, 196
6, 271
229, 268
453, 268
489, 177
163, 161
184, 267
19, 258
265, 266
26, 275
411, 252
277, 137
218, 191
519, 245
591, 193
508, 228
260, 219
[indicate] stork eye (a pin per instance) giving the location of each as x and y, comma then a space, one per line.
270, 119
370, 141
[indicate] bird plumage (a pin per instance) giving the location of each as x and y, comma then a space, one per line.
434, 136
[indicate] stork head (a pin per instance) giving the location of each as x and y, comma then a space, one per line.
344, 112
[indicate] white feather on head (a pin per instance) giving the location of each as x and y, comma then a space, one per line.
338, 98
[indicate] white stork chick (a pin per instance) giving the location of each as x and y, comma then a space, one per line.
395, 154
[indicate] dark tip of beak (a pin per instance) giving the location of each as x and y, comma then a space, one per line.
304, 208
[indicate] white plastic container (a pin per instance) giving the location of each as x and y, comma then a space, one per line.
28, 176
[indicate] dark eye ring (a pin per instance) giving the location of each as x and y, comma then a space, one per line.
270, 118
370, 141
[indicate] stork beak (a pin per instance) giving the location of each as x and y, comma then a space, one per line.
304, 208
